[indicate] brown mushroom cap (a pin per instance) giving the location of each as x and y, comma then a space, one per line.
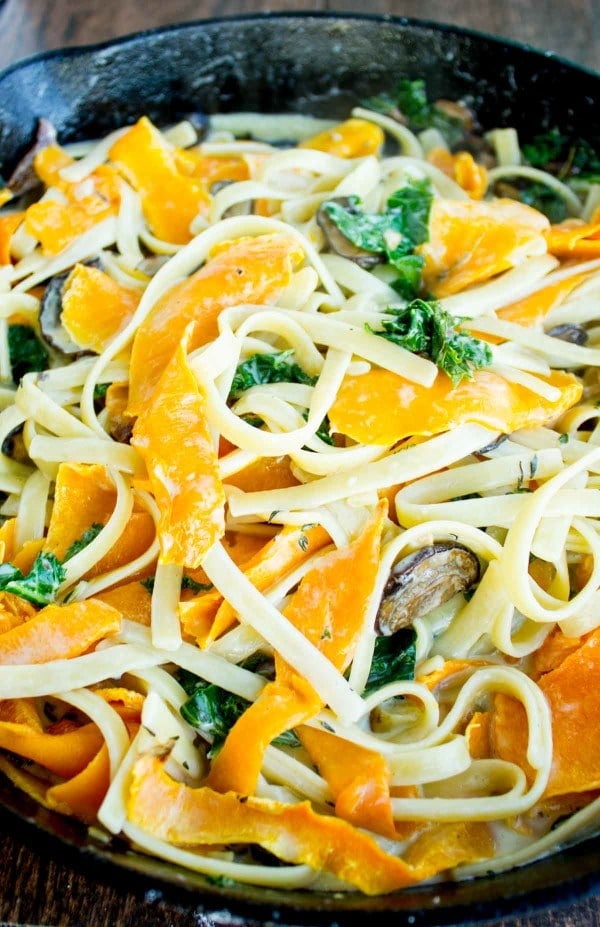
24, 178
574, 334
423, 581
245, 208
338, 242
51, 327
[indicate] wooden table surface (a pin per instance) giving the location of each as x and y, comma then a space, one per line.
36, 887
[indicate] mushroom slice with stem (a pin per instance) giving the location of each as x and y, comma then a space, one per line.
24, 178
338, 242
424, 580
52, 329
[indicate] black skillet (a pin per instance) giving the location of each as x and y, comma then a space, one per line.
318, 64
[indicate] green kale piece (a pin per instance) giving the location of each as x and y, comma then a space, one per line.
268, 368
213, 711
393, 660
188, 583
395, 232
89, 535
26, 352
40, 585
410, 101
544, 199
425, 328
565, 155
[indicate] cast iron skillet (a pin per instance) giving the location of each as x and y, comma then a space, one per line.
318, 64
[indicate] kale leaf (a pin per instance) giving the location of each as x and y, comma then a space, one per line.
268, 368
425, 328
40, 585
89, 535
565, 155
273, 368
324, 431
47, 573
546, 148
395, 232
545, 200
393, 659
410, 271
26, 352
100, 391
186, 583
410, 100
213, 711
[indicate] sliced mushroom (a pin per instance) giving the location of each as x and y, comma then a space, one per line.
122, 429
338, 242
245, 208
423, 581
24, 178
13, 445
458, 111
574, 334
51, 327
152, 264
200, 122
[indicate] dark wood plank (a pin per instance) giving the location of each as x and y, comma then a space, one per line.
36, 886
31, 25
541, 23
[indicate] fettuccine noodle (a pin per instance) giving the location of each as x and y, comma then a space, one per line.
299, 473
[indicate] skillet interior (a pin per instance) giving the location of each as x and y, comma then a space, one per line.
321, 65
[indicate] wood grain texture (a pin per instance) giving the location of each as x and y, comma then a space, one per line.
36, 886
567, 27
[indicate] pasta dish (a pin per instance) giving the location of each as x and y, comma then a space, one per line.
300, 454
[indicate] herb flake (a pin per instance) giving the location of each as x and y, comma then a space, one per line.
409, 103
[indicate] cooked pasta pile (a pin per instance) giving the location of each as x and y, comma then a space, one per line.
300, 459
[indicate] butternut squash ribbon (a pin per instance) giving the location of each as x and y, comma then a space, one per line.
381, 407
173, 438
329, 608
251, 270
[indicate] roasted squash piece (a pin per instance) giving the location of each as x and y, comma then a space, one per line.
381, 407
329, 609
471, 241
354, 138
170, 199
246, 271
358, 778
574, 701
95, 307
59, 632
574, 239
173, 438
295, 833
